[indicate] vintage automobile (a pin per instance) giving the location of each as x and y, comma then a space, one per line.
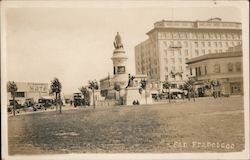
18, 106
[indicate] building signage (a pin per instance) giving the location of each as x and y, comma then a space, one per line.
38, 87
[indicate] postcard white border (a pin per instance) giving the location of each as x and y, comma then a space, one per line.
243, 5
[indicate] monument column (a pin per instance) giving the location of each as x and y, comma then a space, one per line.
119, 59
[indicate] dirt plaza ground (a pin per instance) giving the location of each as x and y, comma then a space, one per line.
206, 125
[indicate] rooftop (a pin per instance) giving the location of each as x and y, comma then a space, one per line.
215, 56
212, 23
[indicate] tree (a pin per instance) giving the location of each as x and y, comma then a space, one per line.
215, 85
181, 87
56, 87
189, 86
85, 93
144, 87
93, 85
12, 88
167, 85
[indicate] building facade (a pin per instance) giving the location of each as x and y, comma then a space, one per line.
163, 56
28, 90
224, 68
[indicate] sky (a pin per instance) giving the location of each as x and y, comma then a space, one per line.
76, 44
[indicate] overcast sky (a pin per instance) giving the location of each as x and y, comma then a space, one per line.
76, 44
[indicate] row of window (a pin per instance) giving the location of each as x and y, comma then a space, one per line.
197, 52
201, 44
173, 60
186, 35
174, 68
231, 67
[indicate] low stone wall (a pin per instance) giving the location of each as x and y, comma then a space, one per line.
107, 103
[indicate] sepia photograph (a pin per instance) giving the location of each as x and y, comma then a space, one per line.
125, 80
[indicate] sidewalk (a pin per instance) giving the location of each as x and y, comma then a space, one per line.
64, 108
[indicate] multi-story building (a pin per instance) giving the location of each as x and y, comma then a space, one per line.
224, 68
163, 56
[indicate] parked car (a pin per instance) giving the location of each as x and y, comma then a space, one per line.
39, 106
45, 103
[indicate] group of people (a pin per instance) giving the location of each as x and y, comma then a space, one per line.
136, 102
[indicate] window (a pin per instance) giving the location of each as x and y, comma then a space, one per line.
215, 36
238, 67
176, 35
166, 69
209, 44
232, 43
226, 44
180, 68
172, 52
166, 52
205, 69
173, 60
173, 68
166, 77
199, 71
179, 52
217, 68
165, 43
218, 36
230, 67
179, 43
196, 52
172, 43
222, 36
203, 44
195, 36
229, 36
215, 44
203, 36
220, 43
186, 52
206, 35
19, 94
196, 71
209, 51
203, 52
181, 35
171, 35
166, 60
196, 44
186, 44
180, 60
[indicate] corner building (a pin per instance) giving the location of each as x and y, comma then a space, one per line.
163, 56
225, 68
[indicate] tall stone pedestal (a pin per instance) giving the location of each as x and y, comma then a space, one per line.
132, 94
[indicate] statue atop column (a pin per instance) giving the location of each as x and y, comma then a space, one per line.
118, 41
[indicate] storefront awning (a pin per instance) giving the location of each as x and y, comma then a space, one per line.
172, 90
47, 97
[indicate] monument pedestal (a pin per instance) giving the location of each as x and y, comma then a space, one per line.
132, 94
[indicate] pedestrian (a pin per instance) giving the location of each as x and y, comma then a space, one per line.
137, 102
134, 102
